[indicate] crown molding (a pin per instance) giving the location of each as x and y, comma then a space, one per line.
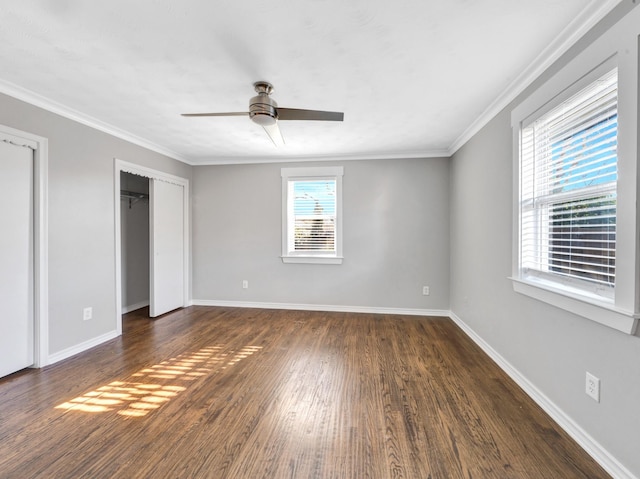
52, 106
390, 155
587, 19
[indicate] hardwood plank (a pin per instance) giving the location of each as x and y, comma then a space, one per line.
249, 393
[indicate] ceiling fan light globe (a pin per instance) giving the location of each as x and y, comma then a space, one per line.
263, 119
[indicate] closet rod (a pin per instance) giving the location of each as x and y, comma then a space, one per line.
133, 197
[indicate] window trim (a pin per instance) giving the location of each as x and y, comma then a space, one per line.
571, 284
311, 173
615, 48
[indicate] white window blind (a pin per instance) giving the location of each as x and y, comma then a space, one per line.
313, 214
568, 175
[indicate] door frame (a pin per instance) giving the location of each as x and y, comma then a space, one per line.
40, 147
127, 167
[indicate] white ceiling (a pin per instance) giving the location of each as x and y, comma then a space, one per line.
414, 78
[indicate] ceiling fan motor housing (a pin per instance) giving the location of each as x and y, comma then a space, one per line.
262, 109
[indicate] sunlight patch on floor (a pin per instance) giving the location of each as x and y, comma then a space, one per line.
148, 389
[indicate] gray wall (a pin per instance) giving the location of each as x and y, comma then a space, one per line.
81, 218
553, 349
396, 236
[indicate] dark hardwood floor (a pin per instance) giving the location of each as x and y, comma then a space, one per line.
246, 393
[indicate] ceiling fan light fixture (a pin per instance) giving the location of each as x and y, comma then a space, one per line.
263, 119
262, 109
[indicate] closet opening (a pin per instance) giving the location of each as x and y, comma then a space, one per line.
134, 241
152, 232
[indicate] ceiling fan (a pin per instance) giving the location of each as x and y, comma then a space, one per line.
264, 111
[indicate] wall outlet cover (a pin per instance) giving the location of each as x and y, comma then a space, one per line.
592, 387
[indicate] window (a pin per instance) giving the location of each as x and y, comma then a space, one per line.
575, 228
312, 215
568, 171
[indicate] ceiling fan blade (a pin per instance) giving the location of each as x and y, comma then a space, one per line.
235, 113
274, 133
296, 114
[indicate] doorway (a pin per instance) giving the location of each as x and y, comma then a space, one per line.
167, 240
134, 233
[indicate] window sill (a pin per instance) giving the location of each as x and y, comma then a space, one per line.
600, 311
313, 259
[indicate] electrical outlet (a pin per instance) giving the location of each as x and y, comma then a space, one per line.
592, 387
87, 314
245, 284
425, 290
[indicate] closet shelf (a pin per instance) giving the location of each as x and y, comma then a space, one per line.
133, 197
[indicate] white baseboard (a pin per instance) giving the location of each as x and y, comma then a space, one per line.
133, 307
323, 307
79, 348
590, 445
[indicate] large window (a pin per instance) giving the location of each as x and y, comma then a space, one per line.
575, 228
568, 170
311, 217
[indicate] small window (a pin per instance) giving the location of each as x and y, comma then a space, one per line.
568, 174
311, 216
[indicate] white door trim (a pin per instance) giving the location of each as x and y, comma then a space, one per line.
40, 147
127, 167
